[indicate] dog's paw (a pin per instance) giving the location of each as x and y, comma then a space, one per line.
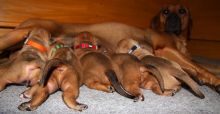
200, 82
174, 92
80, 107
111, 89
25, 107
139, 98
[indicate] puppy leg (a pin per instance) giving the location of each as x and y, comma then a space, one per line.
97, 85
39, 97
29, 92
149, 82
70, 94
204, 76
155, 87
135, 90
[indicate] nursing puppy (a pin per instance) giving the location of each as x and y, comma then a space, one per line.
62, 71
99, 71
164, 45
169, 70
26, 65
132, 74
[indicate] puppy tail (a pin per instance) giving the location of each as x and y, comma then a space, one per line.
117, 85
48, 69
183, 76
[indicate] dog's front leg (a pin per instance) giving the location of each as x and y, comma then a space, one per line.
203, 76
13, 37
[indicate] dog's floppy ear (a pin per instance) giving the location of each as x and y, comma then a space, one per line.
155, 22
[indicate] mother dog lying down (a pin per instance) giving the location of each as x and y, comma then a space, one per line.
110, 34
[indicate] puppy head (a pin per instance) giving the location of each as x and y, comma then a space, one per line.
173, 19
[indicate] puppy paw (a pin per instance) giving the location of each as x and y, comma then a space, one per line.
24, 96
111, 89
174, 92
139, 98
80, 107
25, 107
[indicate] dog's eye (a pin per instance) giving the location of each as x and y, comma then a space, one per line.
182, 11
165, 11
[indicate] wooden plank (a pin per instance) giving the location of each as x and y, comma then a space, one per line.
204, 48
3, 31
206, 19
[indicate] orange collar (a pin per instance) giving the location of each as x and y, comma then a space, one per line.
36, 45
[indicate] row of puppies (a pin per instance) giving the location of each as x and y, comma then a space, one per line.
164, 45
29, 64
131, 73
93, 73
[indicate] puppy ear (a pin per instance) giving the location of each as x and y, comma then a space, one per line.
190, 25
155, 22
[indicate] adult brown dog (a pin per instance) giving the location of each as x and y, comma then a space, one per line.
27, 63
177, 20
65, 69
169, 70
164, 45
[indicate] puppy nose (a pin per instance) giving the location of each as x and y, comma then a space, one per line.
173, 24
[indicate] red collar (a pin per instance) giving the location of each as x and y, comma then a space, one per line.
86, 45
36, 45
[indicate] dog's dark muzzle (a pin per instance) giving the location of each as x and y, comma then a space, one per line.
173, 24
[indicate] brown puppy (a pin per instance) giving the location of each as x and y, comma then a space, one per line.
164, 45
169, 70
26, 64
99, 72
132, 74
65, 69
